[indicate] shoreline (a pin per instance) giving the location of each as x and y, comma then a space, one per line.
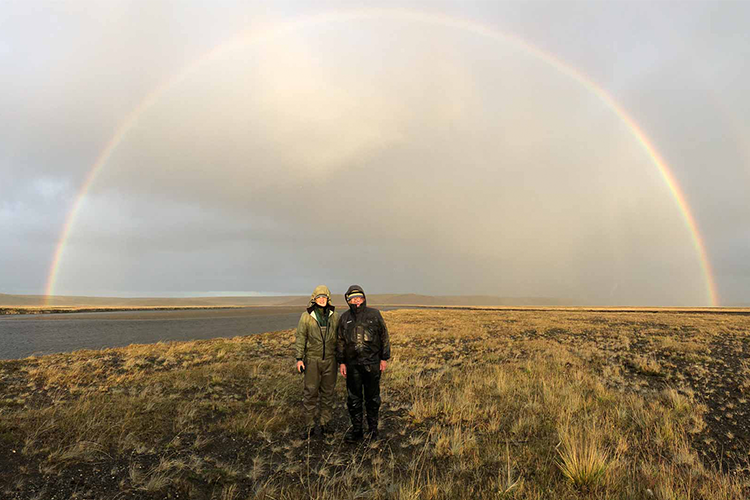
13, 311
37, 310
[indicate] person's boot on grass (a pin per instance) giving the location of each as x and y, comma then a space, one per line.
353, 435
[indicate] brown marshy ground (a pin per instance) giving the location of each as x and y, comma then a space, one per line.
476, 404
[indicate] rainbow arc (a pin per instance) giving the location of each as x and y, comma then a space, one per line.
259, 35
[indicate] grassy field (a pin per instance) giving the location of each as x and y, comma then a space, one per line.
520, 404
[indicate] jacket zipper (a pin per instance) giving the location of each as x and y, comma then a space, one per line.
324, 340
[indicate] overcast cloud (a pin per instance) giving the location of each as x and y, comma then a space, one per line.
396, 151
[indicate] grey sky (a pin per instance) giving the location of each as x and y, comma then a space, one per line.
394, 151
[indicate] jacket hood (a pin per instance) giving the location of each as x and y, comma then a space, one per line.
355, 289
320, 290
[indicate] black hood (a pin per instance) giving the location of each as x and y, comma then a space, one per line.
353, 289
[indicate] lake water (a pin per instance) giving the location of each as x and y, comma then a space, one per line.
26, 335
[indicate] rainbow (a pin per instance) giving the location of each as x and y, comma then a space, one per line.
266, 33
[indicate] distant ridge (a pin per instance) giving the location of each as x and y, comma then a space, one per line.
7, 300
443, 300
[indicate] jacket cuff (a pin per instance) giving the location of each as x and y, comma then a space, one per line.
299, 359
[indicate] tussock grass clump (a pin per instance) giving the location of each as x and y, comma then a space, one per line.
646, 365
582, 459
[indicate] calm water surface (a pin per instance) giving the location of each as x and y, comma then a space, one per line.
26, 335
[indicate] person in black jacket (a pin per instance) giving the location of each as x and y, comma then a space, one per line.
362, 351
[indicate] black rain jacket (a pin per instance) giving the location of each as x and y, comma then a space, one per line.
362, 336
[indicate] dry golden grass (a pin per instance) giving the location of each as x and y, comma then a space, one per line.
583, 460
476, 404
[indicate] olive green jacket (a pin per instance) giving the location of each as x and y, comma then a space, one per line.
311, 341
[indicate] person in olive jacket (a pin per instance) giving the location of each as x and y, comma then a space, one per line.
315, 348
363, 349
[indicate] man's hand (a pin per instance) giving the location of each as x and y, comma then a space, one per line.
383, 364
300, 366
342, 370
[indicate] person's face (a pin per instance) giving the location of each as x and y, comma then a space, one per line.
321, 301
357, 301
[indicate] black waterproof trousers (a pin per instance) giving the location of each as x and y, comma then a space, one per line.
359, 379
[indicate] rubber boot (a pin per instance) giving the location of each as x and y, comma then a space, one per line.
353, 435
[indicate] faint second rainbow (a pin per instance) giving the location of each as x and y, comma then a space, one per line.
275, 30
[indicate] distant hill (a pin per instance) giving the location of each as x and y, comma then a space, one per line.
414, 299
288, 300
463, 300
